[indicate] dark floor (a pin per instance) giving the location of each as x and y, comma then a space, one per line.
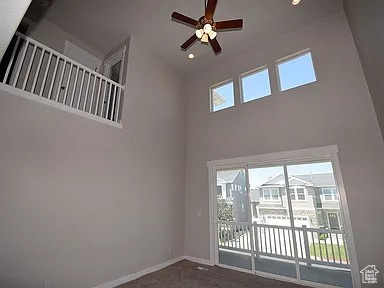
185, 274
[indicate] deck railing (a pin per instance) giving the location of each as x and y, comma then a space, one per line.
41, 71
235, 235
314, 245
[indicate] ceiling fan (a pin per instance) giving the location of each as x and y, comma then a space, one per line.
206, 27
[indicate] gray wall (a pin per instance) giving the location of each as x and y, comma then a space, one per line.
11, 13
54, 37
337, 109
366, 21
83, 203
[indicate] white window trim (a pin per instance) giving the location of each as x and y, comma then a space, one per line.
295, 192
218, 85
114, 59
271, 200
250, 73
322, 196
325, 153
290, 58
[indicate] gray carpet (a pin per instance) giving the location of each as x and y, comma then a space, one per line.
184, 274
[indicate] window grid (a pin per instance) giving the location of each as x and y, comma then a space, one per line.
271, 194
297, 194
330, 194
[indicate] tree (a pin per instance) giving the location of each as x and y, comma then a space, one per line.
224, 211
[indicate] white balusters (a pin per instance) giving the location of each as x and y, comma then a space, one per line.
29, 67
21, 61
74, 86
66, 90
81, 90
314, 245
37, 74
86, 92
37, 71
45, 75
93, 93
49, 96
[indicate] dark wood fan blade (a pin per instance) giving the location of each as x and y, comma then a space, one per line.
230, 24
215, 46
210, 10
189, 42
184, 19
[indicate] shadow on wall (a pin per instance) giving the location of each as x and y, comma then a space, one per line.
37, 10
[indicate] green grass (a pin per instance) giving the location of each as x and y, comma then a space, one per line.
315, 250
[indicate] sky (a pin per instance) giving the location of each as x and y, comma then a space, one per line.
258, 176
293, 73
256, 85
228, 93
299, 71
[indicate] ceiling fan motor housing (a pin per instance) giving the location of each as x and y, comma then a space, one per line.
203, 21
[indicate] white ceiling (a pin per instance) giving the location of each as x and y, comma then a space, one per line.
104, 24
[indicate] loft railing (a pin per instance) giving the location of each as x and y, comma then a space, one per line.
326, 247
60, 81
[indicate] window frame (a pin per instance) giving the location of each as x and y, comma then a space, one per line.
270, 191
218, 85
250, 73
334, 195
113, 60
292, 57
294, 188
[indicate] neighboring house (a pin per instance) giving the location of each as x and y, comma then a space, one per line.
315, 201
232, 188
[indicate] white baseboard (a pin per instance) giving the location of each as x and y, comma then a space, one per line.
199, 260
139, 274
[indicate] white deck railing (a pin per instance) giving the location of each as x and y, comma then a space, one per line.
314, 246
41, 71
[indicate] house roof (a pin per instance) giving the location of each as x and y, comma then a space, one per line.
228, 176
324, 179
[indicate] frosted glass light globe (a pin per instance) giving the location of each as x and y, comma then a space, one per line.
199, 33
204, 39
212, 34
207, 28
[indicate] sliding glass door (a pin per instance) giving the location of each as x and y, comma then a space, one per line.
233, 221
274, 240
284, 220
319, 224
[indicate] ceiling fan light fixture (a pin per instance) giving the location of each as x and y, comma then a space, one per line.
199, 33
207, 28
295, 2
204, 39
212, 34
